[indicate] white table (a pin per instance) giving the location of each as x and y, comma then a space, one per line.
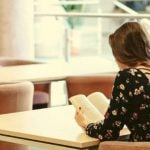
48, 128
53, 71
34, 72
45, 128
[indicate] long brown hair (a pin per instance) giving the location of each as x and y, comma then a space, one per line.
130, 44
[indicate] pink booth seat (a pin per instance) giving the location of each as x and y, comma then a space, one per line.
15, 97
41, 97
117, 145
86, 84
6, 61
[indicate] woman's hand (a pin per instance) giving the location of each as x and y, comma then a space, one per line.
81, 119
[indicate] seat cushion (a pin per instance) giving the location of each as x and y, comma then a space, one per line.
117, 145
40, 100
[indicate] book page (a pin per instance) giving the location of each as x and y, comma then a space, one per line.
100, 101
89, 110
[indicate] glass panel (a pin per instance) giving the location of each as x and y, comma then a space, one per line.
77, 37
137, 5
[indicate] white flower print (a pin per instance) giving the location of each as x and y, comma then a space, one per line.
124, 99
117, 99
122, 87
135, 115
95, 126
124, 109
144, 127
114, 112
127, 80
139, 90
100, 137
117, 123
139, 75
143, 106
130, 94
137, 82
147, 136
133, 71
108, 135
120, 95
146, 96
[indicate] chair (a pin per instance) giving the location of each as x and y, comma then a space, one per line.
41, 98
41, 95
15, 97
6, 61
117, 145
90, 83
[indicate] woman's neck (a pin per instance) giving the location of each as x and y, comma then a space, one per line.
138, 65
145, 69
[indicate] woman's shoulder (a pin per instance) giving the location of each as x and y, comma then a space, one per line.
131, 74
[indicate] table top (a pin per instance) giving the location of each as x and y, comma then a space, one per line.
54, 125
50, 71
33, 72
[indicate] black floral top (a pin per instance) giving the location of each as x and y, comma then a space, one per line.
129, 105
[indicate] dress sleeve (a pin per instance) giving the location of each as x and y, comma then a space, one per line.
110, 127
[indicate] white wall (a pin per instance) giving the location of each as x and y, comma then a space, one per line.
16, 28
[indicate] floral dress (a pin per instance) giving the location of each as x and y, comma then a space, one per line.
129, 105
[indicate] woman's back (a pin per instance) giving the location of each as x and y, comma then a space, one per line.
133, 87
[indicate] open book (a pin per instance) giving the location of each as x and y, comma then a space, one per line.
93, 106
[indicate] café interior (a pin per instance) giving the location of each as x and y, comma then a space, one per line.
51, 50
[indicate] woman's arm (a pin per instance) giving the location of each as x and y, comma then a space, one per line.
116, 115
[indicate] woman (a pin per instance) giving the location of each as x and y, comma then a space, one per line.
130, 102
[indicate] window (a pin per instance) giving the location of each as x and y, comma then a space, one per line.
70, 37
78, 39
